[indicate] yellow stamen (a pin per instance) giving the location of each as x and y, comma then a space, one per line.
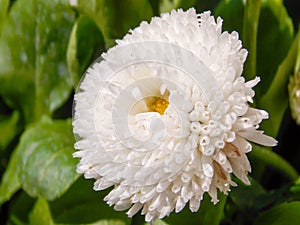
157, 104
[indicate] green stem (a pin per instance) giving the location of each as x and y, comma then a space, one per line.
275, 101
275, 161
250, 24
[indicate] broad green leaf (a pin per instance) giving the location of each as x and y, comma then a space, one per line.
275, 36
40, 214
275, 101
4, 4
85, 39
208, 213
286, 213
9, 128
168, 5
10, 182
34, 76
232, 13
46, 166
81, 204
114, 18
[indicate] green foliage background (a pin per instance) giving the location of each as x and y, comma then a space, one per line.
45, 47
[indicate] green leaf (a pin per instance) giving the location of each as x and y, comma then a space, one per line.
81, 204
208, 213
9, 128
294, 191
275, 101
245, 196
85, 38
286, 213
296, 187
114, 18
275, 36
4, 4
34, 76
10, 182
275, 28
232, 13
275, 161
15, 221
248, 201
46, 166
168, 5
205, 5
41, 214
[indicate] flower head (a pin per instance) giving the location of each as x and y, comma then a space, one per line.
165, 116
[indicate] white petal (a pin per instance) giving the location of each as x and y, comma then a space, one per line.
258, 137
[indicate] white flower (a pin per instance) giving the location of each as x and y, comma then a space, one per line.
294, 96
164, 117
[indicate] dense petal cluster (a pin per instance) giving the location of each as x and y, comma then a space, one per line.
165, 116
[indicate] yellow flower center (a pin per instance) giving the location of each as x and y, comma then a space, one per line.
157, 104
